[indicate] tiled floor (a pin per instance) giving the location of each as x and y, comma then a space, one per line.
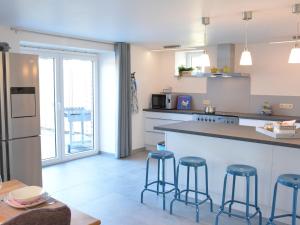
109, 189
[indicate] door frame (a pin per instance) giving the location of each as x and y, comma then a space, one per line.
58, 56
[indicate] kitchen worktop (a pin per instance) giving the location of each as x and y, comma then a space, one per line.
233, 132
240, 115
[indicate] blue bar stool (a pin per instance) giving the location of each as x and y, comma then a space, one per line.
195, 162
161, 156
242, 171
291, 181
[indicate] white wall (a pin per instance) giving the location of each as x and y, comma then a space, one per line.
271, 74
147, 66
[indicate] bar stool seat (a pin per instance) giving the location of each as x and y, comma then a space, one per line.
241, 170
192, 161
290, 180
161, 154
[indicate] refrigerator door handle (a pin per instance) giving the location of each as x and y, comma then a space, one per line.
2, 98
5, 171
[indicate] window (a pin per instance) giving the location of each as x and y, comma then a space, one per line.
193, 59
189, 59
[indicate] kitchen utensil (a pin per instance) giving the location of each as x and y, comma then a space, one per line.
210, 109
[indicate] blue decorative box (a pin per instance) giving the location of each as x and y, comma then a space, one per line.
184, 102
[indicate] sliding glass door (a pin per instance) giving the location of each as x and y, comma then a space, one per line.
78, 94
47, 107
68, 87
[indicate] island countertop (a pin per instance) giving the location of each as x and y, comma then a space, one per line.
233, 132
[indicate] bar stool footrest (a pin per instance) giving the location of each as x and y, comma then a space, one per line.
285, 215
161, 183
236, 215
159, 192
192, 203
199, 192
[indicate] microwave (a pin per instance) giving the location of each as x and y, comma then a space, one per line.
164, 101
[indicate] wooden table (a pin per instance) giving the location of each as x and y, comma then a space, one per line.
7, 212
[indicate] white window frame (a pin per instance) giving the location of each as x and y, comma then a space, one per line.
59, 55
189, 58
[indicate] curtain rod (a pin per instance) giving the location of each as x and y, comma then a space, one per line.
37, 47
17, 29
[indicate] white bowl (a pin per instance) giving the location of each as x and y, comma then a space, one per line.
27, 194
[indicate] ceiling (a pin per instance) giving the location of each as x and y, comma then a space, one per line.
153, 23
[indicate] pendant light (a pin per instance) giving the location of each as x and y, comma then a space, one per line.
205, 62
246, 59
295, 52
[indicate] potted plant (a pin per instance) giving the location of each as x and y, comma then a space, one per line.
185, 71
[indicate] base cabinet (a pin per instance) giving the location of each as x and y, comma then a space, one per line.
153, 119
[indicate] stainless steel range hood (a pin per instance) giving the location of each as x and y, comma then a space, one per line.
225, 57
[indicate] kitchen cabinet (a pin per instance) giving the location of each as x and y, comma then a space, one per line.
152, 119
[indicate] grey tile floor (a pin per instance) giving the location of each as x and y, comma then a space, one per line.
109, 189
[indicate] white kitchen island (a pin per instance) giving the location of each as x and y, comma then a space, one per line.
222, 145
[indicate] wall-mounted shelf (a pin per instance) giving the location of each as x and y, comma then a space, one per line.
217, 75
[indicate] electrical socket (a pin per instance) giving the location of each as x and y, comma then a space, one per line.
206, 102
286, 106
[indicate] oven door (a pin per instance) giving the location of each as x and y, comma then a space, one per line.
158, 101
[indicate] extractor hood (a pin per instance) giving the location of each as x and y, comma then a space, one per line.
225, 57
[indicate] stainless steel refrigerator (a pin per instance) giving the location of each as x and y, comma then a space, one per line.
20, 150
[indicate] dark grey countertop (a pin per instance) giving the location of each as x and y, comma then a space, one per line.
234, 132
240, 115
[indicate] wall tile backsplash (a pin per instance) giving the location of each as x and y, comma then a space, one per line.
233, 95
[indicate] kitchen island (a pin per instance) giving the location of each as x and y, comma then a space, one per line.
222, 145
